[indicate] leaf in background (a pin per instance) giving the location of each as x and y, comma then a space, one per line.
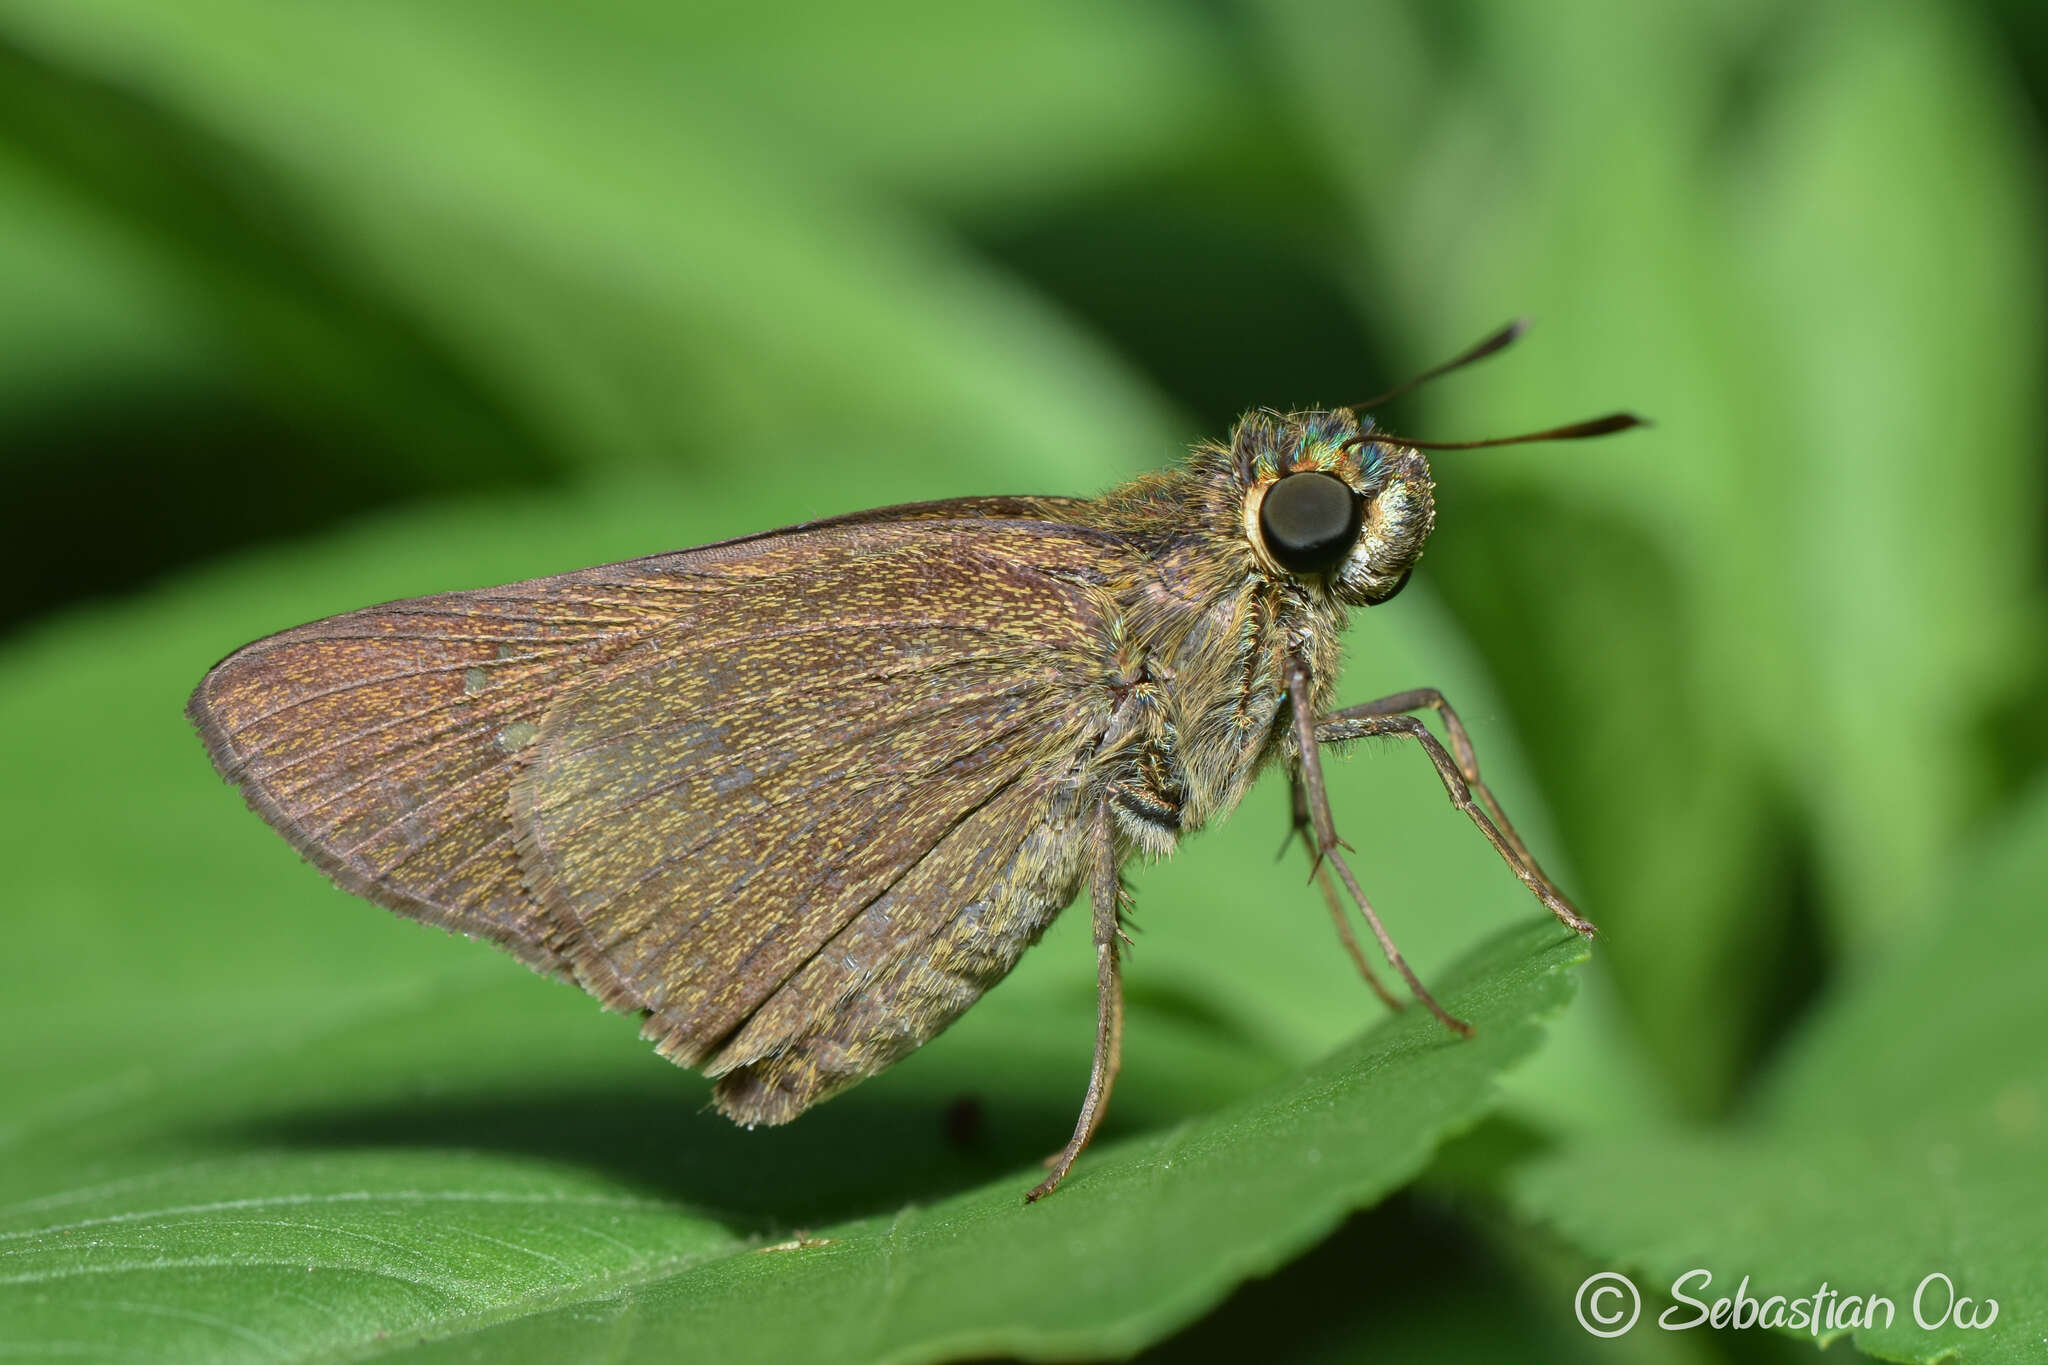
1904, 1132
136, 432
1906, 535
604, 249
993, 106
81, 304
180, 231
1710, 633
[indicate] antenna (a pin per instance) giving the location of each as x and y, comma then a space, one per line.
1497, 342
1575, 431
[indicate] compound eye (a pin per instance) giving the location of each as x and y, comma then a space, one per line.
1310, 521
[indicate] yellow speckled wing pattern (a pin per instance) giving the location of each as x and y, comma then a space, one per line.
382, 743
729, 788
738, 826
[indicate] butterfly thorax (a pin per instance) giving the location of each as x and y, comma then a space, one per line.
1198, 626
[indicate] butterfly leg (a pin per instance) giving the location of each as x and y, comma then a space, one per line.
1326, 843
1322, 879
1106, 894
1428, 698
1460, 776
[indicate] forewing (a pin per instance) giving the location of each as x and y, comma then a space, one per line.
846, 755
383, 743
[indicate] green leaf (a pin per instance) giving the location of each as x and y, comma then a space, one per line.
81, 307
1904, 1134
1896, 313
221, 1071
550, 219
1002, 104
297, 1237
1415, 1279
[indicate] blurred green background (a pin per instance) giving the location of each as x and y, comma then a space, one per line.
307, 305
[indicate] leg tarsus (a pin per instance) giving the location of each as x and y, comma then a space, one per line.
1317, 799
1449, 1021
1320, 875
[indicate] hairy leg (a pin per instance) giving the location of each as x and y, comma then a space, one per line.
1106, 894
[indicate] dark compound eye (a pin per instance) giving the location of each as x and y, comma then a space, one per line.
1310, 521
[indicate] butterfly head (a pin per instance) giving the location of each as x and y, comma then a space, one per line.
1328, 506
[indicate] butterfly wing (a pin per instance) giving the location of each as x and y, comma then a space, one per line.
732, 789
382, 743
751, 827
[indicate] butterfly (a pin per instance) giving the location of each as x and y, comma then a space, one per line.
796, 800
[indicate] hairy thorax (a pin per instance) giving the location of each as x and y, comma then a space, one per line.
1195, 693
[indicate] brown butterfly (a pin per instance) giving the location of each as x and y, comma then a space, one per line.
799, 799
